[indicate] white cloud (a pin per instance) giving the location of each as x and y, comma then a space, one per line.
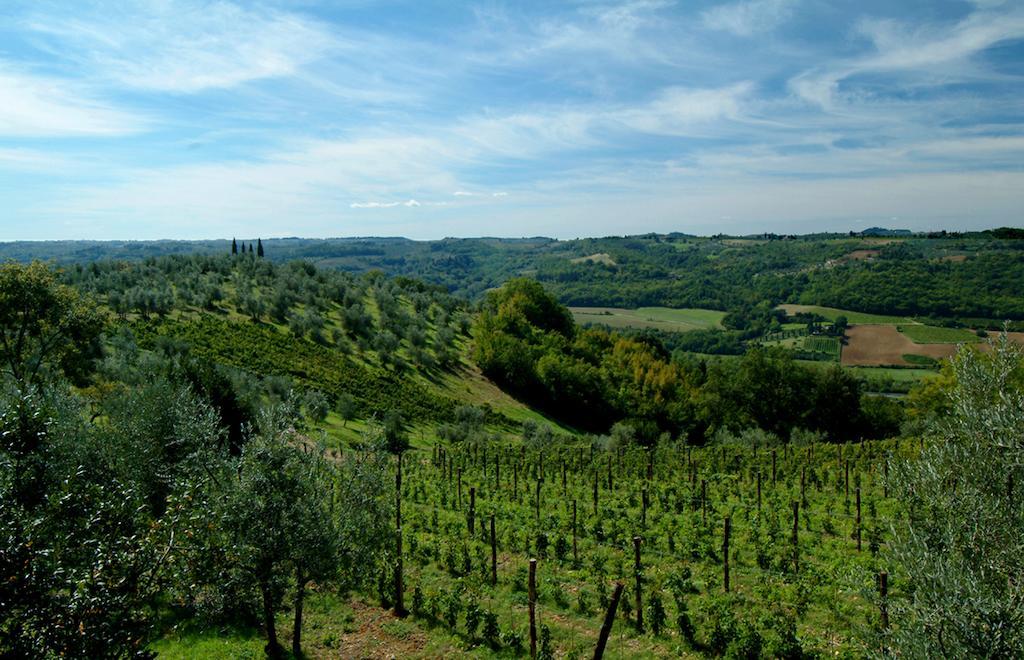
932, 53
748, 18
384, 205
676, 111
38, 106
184, 46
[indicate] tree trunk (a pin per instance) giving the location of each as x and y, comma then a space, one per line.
300, 596
273, 649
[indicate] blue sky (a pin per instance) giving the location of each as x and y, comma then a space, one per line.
188, 119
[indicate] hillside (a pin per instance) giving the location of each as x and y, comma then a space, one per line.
968, 276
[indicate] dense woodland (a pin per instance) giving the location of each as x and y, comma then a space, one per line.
164, 465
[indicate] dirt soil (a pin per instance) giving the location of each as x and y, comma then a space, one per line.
883, 344
371, 641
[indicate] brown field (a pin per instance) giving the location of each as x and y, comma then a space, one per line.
1015, 337
884, 344
859, 255
955, 258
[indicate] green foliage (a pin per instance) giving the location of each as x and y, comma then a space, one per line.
45, 325
960, 548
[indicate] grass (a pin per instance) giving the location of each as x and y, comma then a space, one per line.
661, 318
922, 360
831, 313
928, 334
212, 644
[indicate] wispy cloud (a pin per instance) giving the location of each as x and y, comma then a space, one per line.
748, 17
409, 203
186, 46
931, 54
210, 117
40, 106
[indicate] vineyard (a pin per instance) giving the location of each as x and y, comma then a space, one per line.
829, 346
720, 550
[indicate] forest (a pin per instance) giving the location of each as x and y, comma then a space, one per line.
225, 455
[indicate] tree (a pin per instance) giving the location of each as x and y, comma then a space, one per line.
277, 512
45, 324
259, 247
234, 246
960, 550
395, 432
316, 406
346, 407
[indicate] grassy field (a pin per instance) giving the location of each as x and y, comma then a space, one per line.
831, 313
927, 334
661, 318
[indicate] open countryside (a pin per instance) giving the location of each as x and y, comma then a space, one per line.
661, 318
604, 329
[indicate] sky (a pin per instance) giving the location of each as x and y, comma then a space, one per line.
160, 119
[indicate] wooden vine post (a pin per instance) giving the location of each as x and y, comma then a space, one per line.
858, 519
399, 582
796, 546
575, 551
471, 519
638, 571
643, 517
540, 482
494, 554
533, 608
883, 601
704, 501
609, 621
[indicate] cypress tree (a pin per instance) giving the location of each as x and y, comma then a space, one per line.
259, 247
250, 248
234, 246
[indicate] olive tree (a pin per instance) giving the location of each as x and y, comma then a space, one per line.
44, 324
959, 552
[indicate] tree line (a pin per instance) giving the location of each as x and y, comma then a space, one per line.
589, 378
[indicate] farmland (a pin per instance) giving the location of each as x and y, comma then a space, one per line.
832, 313
884, 345
584, 513
661, 318
926, 334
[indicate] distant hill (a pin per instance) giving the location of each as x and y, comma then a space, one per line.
978, 276
882, 231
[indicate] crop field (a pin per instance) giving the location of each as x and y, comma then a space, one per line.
830, 346
661, 318
831, 313
881, 345
927, 334
474, 516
